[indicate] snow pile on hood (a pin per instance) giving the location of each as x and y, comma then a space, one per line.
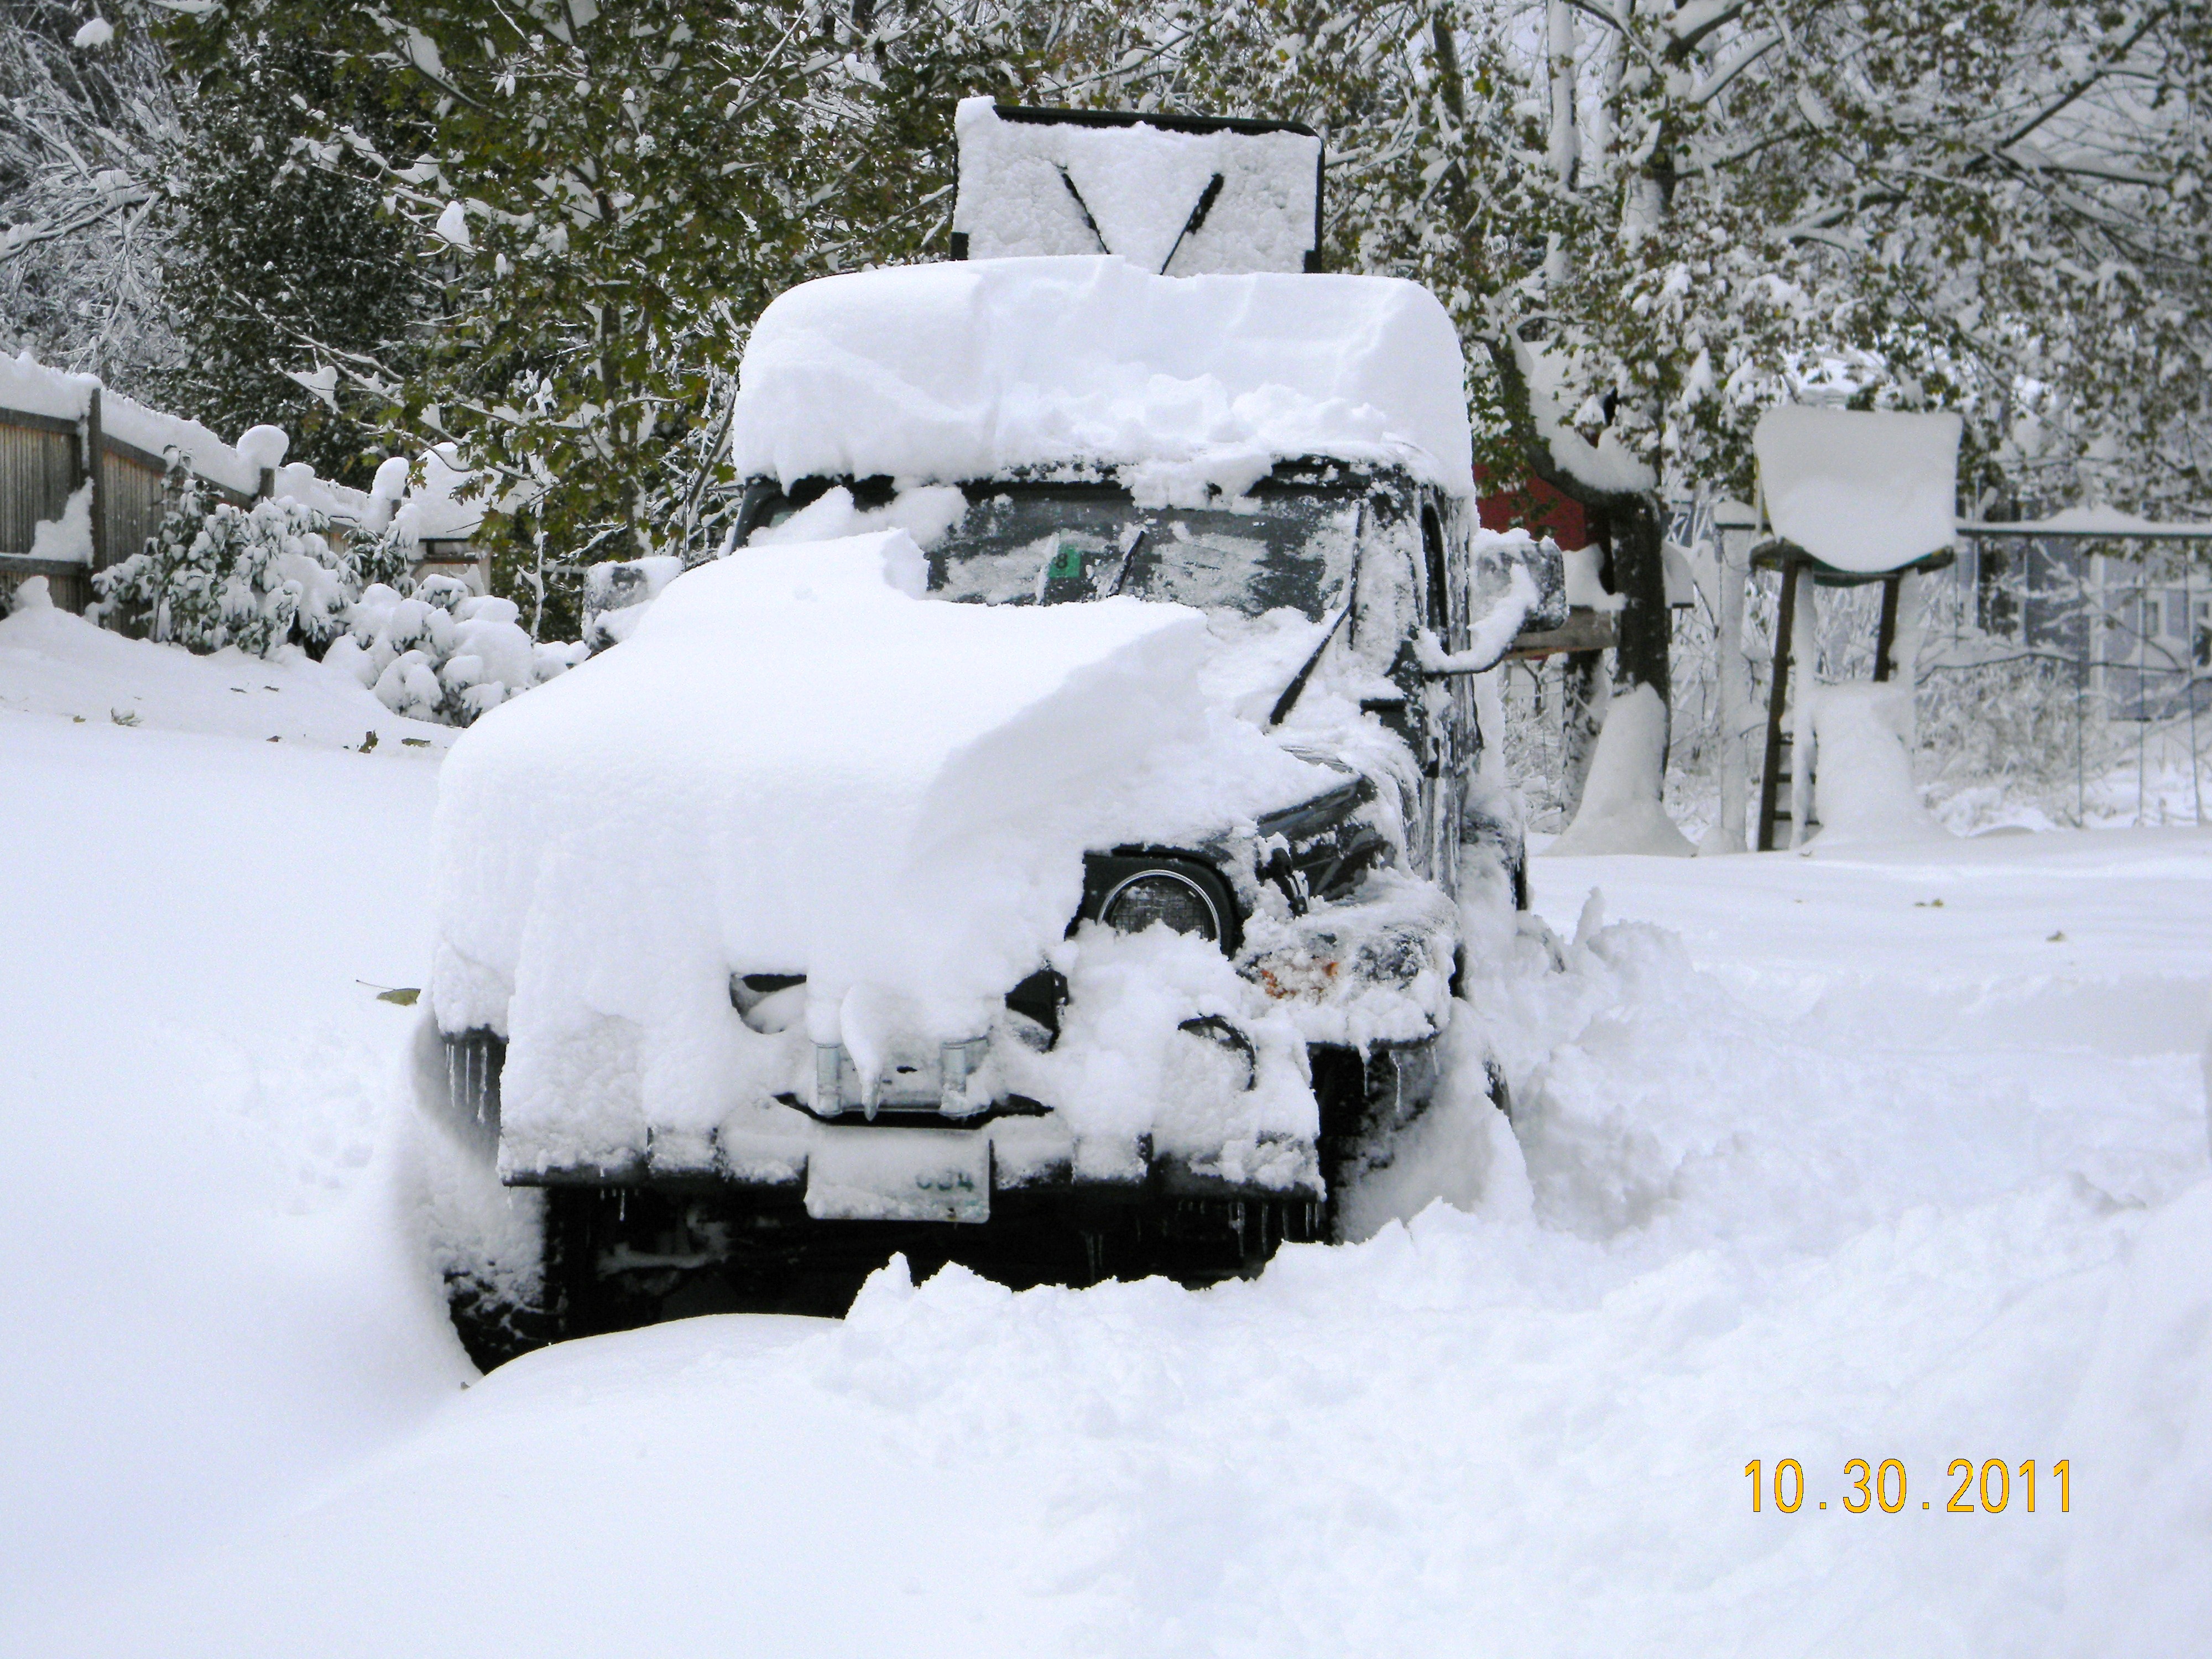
1864, 490
1058, 187
796, 765
945, 373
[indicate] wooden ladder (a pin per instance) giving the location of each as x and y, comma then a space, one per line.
1774, 814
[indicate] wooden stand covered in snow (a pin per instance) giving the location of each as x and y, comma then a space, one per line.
1851, 497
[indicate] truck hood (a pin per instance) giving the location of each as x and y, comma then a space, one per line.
796, 764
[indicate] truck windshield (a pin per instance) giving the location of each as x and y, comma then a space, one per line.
1034, 545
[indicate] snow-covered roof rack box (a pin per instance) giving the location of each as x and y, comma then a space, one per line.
1180, 195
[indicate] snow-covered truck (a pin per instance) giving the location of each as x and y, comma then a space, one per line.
1038, 842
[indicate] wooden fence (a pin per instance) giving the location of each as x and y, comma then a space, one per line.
42, 460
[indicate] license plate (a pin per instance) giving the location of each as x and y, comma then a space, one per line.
868, 1173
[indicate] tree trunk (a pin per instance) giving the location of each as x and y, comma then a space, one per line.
1633, 532
1733, 572
1638, 536
1582, 699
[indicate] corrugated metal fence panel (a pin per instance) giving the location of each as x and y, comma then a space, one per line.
38, 471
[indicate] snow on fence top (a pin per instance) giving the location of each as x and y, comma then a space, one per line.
1175, 197
2099, 520
34, 389
428, 512
948, 372
1865, 491
432, 511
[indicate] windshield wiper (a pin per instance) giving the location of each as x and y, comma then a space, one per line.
1083, 207
1129, 557
1284, 703
1197, 220
1291, 692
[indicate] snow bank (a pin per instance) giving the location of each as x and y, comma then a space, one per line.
1863, 490
1863, 767
1621, 811
1809, 1162
53, 663
945, 373
797, 765
1254, 196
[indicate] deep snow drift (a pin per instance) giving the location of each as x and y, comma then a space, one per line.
54, 663
1804, 1165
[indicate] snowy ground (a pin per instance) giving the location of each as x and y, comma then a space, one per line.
53, 663
1805, 1165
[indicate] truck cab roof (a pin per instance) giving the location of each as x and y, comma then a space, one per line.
1183, 389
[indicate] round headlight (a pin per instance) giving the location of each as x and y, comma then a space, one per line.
1162, 896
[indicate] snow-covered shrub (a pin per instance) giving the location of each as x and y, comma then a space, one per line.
383, 556
443, 653
213, 575
2012, 733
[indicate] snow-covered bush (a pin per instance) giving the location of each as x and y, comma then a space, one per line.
213, 575
443, 653
2010, 733
383, 556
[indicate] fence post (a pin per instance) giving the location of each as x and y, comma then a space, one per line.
95, 473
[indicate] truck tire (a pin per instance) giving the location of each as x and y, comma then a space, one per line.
524, 1303
1492, 825
1366, 1102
